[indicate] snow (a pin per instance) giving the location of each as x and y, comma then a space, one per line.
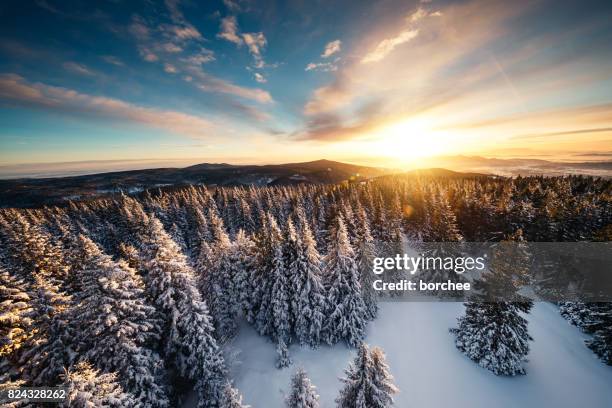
429, 370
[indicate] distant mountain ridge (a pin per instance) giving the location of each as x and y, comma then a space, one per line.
32, 192
35, 192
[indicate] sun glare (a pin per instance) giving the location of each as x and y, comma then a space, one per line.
411, 139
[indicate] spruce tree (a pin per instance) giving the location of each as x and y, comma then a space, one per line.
88, 387
493, 333
269, 260
241, 257
303, 393
42, 359
366, 252
15, 313
346, 316
231, 398
383, 386
189, 332
368, 383
220, 282
117, 327
601, 326
284, 255
309, 302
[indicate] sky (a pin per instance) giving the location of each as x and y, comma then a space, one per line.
131, 83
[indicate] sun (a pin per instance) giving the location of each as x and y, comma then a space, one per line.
413, 138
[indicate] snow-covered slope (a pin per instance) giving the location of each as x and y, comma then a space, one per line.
428, 369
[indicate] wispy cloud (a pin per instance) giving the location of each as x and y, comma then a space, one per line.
388, 44
77, 68
407, 34
169, 68
209, 83
332, 48
322, 66
255, 42
15, 89
233, 5
189, 59
112, 60
181, 29
229, 30
421, 89
260, 78
329, 97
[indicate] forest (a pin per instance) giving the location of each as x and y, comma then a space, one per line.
129, 300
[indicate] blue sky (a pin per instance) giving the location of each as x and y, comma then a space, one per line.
250, 81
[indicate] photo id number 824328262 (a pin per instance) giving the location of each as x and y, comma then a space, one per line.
34, 394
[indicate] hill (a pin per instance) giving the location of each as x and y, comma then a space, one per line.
34, 192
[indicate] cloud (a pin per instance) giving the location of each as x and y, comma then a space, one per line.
333, 128
260, 78
229, 30
255, 42
148, 55
203, 57
112, 60
409, 33
171, 48
387, 45
209, 83
565, 133
423, 87
182, 29
321, 66
417, 15
169, 68
329, 97
77, 68
16, 89
332, 48
175, 13
190, 62
232, 5
138, 28
181, 33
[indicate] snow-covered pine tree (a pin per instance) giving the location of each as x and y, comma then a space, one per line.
204, 266
267, 241
116, 326
15, 314
309, 295
600, 317
346, 316
42, 359
368, 383
282, 293
493, 333
220, 283
88, 387
30, 250
272, 296
188, 333
576, 313
241, 257
282, 354
231, 398
366, 252
383, 387
303, 394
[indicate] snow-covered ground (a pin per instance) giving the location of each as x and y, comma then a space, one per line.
429, 370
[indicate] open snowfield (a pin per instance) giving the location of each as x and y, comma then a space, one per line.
430, 371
